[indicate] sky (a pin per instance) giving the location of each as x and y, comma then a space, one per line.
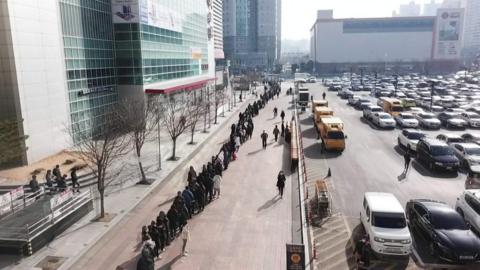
298, 16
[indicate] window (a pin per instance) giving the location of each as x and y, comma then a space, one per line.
473, 203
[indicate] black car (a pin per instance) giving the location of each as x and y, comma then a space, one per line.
445, 231
436, 154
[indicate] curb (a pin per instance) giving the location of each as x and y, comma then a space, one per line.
155, 186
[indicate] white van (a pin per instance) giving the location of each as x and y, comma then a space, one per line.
383, 218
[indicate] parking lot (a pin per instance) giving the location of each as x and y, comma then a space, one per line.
372, 161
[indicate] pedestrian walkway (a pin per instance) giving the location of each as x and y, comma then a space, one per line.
246, 228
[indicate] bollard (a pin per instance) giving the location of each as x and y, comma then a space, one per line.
314, 250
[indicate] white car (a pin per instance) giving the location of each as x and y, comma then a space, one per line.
428, 120
468, 206
406, 120
369, 110
409, 138
383, 120
472, 118
467, 153
415, 110
383, 218
353, 99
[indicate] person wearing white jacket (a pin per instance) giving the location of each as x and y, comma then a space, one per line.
217, 180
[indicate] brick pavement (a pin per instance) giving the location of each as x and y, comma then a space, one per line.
247, 228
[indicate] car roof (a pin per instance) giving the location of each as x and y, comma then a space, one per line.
383, 202
406, 113
411, 130
468, 145
451, 135
434, 142
382, 113
436, 207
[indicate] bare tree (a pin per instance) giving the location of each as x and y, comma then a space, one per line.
175, 113
99, 148
137, 118
218, 99
195, 111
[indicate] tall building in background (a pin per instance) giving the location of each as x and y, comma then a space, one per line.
252, 33
430, 9
471, 45
409, 10
67, 62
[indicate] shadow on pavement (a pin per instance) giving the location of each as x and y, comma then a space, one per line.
8, 260
310, 133
130, 264
399, 150
425, 172
269, 203
315, 151
306, 121
256, 151
168, 265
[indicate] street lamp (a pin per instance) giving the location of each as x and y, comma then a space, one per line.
432, 89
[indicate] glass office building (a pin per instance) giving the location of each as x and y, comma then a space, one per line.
151, 50
87, 30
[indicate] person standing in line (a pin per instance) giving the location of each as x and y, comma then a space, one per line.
282, 133
324, 95
57, 173
281, 183
147, 261
185, 237
264, 137
74, 178
217, 180
275, 110
276, 132
407, 159
282, 115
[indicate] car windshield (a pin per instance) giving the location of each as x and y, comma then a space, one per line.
473, 151
474, 116
448, 221
384, 116
441, 151
407, 116
455, 140
388, 220
416, 136
397, 109
338, 135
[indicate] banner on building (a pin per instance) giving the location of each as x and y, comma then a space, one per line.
125, 11
448, 34
5, 203
60, 198
157, 14
17, 193
295, 257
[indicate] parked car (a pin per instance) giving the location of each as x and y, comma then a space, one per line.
472, 118
467, 153
452, 120
468, 206
406, 119
352, 100
436, 154
471, 137
367, 112
450, 138
409, 138
473, 178
383, 120
415, 110
384, 221
428, 120
361, 100
449, 236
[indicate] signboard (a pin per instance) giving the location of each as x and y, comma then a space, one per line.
159, 15
17, 193
448, 34
295, 257
60, 198
5, 203
125, 11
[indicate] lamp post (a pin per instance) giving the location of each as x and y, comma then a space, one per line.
432, 89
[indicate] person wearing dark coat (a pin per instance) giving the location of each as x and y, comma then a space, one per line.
281, 183
264, 137
56, 172
153, 233
173, 219
147, 260
74, 178
282, 115
163, 219
192, 175
189, 199
282, 133
276, 132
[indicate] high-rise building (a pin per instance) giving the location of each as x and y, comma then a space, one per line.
409, 10
218, 28
65, 62
252, 32
471, 45
430, 9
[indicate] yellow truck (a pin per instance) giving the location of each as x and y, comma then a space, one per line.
320, 111
330, 130
392, 106
318, 103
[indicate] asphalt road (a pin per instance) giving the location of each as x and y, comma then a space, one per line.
372, 162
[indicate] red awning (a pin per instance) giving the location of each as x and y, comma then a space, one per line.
186, 87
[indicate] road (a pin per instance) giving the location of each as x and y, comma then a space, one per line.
371, 161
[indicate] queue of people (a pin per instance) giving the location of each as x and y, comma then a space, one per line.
202, 189
56, 181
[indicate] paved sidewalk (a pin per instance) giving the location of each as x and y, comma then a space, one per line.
122, 196
247, 228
